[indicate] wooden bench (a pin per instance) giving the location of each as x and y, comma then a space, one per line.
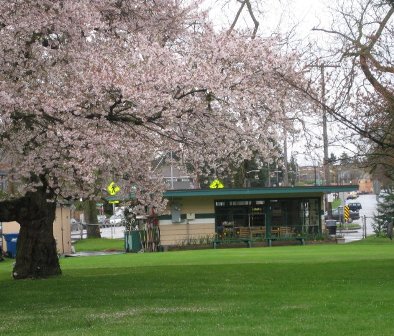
258, 233
242, 234
284, 233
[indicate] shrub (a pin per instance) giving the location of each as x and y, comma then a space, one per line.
385, 213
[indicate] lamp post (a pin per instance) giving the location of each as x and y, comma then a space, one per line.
277, 177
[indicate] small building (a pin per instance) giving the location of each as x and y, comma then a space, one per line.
197, 215
61, 230
365, 186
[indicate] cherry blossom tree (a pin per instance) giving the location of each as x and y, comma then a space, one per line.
94, 90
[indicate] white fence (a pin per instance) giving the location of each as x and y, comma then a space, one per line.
115, 231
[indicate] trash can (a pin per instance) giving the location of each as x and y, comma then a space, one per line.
132, 241
11, 240
331, 226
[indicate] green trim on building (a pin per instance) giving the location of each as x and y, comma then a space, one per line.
266, 192
183, 216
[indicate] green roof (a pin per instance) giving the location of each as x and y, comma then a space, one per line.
276, 191
262, 192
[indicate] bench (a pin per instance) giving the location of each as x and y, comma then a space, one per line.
284, 233
249, 234
258, 233
242, 234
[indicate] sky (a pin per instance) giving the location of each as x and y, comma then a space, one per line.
305, 14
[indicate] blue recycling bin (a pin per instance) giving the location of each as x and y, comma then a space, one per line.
11, 240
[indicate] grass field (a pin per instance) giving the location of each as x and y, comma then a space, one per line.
99, 244
295, 290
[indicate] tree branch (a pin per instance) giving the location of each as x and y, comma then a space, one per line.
236, 18
374, 82
251, 13
338, 116
256, 23
379, 31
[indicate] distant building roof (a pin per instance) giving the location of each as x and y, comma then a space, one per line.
175, 178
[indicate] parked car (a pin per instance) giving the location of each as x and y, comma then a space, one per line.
116, 219
101, 219
383, 194
337, 214
352, 195
354, 206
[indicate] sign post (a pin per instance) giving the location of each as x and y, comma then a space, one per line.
346, 213
113, 189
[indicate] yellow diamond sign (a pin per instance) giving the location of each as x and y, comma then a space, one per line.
216, 184
113, 188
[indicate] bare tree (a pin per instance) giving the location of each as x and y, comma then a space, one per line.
359, 76
364, 36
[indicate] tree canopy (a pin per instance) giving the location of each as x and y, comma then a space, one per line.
94, 90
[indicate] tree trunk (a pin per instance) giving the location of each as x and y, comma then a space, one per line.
36, 255
90, 213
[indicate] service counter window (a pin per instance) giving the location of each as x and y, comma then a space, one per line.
308, 221
299, 215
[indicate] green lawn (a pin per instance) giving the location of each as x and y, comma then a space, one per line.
295, 290
99, 244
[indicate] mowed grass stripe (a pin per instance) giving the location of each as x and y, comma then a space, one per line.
325, 290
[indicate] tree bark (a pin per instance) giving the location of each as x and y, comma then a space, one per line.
90, 213
36, 255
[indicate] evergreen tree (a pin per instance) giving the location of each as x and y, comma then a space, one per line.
385, 213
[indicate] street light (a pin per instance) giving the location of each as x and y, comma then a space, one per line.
277, 177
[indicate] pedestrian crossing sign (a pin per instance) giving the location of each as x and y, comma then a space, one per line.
216, 184
113, 188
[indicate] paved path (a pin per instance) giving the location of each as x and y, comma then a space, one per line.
368, 203
92, 253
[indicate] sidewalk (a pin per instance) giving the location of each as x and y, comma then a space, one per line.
92, 253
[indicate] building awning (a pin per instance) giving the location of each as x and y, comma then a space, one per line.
263, 192
244, 192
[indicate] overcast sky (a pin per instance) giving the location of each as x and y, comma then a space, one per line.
304, 14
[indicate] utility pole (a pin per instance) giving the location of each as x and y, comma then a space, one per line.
326, 162
172, 171
326, 166
285, 165
277, 171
